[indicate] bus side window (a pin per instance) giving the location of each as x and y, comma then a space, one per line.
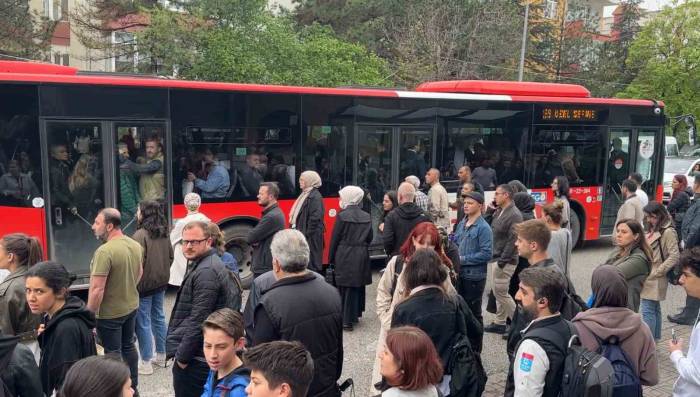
324, 151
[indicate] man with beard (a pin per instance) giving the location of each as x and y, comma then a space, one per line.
115, 271
152, 179
538, 365
271, 222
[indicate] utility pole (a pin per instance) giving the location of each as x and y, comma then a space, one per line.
524, 43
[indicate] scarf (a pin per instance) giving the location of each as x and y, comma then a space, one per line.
312, 181
350, 195
609, 287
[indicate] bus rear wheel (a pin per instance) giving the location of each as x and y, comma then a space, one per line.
575, 229
237, 245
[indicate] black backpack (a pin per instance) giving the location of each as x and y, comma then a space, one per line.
398, 268
586, 373
233, 290
626, 382
468, 377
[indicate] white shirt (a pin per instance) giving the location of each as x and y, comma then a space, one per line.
688, 367
530, 369
643, 197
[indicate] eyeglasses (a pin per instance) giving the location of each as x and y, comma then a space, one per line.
193, 242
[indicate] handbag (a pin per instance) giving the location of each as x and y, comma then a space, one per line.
330, 275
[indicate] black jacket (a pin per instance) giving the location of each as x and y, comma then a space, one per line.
307, 309
690, 229
310, 223
433, 312
398, 225
525, 203
260, 237
200, 294
349, 251
7, 346
678, 206
555, 350
504, 236
22, 375
67, 338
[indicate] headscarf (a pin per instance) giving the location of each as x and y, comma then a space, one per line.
609, 287
350, 195
312, 180
192, 202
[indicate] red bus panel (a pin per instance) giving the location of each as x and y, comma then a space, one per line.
31, 221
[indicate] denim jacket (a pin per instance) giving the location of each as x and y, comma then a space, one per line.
475, 248
232, 385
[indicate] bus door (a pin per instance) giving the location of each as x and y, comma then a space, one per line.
617, 170
78, 187
386, 154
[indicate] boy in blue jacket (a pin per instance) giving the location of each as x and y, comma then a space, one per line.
223, 339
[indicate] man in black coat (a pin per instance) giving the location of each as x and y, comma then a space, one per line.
272, 221
201, 293
303, 307
401, 220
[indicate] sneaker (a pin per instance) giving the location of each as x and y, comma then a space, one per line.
145, 368
160, 360
495, 328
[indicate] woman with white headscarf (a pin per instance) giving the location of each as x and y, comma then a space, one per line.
349, 254
192, 202
306, 216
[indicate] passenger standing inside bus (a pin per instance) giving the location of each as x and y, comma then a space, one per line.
66, 331
560, 188
59, 172
83, 187
128, 189
439, 206
349, 254
177, 270
152, 175
306, 216
18, 253
272, 221
113, 296
17, 188
152, 234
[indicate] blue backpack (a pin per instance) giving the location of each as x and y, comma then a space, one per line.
626, 381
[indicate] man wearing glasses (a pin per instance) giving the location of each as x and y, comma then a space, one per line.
198, 297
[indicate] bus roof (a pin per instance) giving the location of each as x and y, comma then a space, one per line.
505, 91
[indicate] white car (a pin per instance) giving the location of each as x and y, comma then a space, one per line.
677, 165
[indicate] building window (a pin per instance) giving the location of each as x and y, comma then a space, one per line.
550, 9
56, 10
126, 56
61, 59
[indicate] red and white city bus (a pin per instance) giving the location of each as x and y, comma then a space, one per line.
61, 133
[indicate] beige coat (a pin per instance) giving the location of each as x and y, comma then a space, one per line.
656, 283
386, 302
438, 206
631, 209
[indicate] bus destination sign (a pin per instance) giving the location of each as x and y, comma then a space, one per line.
569, 114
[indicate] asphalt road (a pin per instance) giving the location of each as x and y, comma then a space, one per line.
360, 344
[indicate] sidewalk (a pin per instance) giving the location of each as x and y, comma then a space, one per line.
667, 372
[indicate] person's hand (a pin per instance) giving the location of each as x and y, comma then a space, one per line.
672, 347
381, 227
191, 177
41, 329
181, 365
74, 211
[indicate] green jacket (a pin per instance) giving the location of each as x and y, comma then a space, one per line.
635, 267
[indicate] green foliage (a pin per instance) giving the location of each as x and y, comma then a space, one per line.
667, 55
23, 33
239, 41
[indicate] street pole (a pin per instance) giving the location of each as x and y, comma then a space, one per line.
524, 44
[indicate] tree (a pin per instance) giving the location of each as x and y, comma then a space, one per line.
666, 54
23, 33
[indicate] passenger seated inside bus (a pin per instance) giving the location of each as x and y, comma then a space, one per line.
214, 181
17, 188
251, 175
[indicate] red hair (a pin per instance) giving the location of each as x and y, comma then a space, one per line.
416, 357
420, 232
682, 184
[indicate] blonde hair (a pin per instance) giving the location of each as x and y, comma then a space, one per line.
80, 175
218, 238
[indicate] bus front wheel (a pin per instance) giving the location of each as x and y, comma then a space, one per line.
237, 246
575, 228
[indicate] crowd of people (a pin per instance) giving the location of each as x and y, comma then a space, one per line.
287, 340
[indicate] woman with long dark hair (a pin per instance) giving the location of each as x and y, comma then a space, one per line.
560, 187
633, 257
66, 330
390, 202
349, 254
98, 376
152, 234
18, 253
680, 200
663, 241
392, 286
306, 216
429, 308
